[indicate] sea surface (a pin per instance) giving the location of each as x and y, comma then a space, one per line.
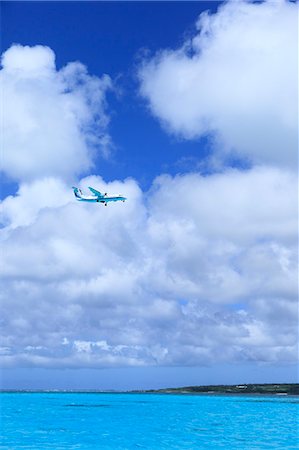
147, 421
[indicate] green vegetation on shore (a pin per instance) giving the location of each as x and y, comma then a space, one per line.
283, 389
261, 389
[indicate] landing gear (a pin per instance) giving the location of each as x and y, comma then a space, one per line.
105, 204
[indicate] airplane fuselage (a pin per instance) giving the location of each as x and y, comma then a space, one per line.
96, 197
91, 198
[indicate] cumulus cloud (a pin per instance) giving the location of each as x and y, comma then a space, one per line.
23, 208
55, 121
199, 269
236, 80
202, 269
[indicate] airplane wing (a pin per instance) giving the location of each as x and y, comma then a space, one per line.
95, 192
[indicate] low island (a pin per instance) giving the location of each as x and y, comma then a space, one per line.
261, 389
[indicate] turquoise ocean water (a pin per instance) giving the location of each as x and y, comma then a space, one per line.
149, 421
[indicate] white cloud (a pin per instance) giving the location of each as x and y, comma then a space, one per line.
202, 269
55, 120
23, 208
236, 79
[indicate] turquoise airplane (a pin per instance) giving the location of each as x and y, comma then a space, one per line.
96, 196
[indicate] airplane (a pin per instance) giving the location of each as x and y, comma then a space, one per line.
96, 196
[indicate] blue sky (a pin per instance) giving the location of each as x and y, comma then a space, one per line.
186, 109
110, 38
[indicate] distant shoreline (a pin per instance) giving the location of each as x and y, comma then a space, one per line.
279, 389
239, 389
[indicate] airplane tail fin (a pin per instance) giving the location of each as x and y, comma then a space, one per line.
77, 192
